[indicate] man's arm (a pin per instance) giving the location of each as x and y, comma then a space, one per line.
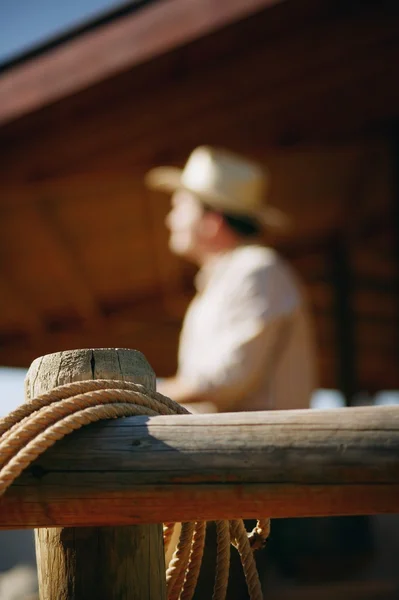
179, 390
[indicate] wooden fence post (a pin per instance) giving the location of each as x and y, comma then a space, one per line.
101, 563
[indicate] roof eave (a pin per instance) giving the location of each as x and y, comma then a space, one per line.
113, 48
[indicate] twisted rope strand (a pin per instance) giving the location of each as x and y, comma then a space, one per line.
247, 560
222, 561
194, 565
75, 389
176, 571
168, 529
34, 427
259, 534
47, 438
28, 428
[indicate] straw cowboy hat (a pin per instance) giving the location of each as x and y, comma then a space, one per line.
224, 181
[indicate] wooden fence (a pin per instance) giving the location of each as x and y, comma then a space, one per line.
100, 495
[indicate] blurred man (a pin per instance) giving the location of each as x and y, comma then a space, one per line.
246, 342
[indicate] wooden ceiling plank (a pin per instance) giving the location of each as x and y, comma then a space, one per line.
84, 298
30, 318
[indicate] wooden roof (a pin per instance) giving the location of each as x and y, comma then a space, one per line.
112, 48
309, 88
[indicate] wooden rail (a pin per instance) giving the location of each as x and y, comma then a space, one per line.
155, 469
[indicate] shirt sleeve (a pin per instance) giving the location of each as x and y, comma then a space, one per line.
254, 319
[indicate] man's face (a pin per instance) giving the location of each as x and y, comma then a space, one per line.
184, 223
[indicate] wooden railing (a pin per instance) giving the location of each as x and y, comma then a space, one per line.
148, 470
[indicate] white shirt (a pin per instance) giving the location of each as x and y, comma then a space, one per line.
246, 339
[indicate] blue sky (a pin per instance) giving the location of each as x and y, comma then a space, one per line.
25, 24
11, 389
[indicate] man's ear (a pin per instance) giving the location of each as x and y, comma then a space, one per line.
211, 224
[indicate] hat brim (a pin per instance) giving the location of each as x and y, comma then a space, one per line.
164, 179
169, 179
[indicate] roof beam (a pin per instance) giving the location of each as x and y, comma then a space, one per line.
113, 48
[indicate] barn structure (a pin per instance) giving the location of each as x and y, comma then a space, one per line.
308, 87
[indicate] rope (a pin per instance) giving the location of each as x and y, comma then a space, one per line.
34, 427
168, 529
241, 542
222, 560
194, 565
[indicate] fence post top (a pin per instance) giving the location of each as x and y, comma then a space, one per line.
52, 370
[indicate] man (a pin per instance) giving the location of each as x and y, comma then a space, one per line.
246, 342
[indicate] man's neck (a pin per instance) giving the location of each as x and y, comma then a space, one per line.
210, 257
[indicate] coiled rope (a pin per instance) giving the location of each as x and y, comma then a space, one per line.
34, 427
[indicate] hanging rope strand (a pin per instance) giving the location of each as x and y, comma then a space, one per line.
222, 561
168, 529
175, 575
194, 565
247, 560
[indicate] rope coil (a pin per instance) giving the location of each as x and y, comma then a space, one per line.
34, 427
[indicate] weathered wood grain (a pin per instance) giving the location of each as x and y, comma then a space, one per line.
152, 469
98, 562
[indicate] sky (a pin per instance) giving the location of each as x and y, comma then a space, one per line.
25, 24
11, 389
